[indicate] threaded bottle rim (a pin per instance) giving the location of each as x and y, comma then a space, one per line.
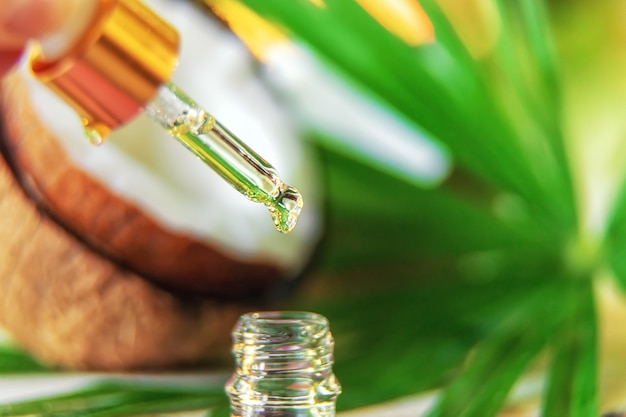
284, 361
270, 327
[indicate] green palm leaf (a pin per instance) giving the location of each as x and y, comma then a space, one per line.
122, 399
501, 358
16, 361
409, 228
572, 381
616, 239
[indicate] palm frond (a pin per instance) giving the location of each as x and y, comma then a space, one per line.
15, 361
501, 358
110, 398
615, 243
572, 389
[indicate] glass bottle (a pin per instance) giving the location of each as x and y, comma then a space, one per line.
283, 366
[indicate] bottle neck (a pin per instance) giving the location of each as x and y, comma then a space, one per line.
284, 366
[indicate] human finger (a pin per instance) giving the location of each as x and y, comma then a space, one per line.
22, 20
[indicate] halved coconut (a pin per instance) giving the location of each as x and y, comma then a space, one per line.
98, 228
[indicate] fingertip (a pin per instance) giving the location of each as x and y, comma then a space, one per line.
33, 18
8, 60
51, 21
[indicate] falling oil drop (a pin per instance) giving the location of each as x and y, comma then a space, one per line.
93, 136
285, 209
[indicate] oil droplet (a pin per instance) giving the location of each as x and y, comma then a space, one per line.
286, 208
96, 132
93, 136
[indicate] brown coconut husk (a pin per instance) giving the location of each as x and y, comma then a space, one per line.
111, 225
76, 261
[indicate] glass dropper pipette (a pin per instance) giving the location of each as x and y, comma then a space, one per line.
121, 65
232, 159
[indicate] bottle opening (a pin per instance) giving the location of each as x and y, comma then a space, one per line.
281, 331
267, 320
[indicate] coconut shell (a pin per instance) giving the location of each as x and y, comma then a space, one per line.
75, 262
111, 225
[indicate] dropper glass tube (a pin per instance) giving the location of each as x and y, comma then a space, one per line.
232, 159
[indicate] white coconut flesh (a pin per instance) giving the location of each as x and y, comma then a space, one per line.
145, 166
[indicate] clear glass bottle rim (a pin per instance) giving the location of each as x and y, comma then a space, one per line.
271, 327
293, 317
